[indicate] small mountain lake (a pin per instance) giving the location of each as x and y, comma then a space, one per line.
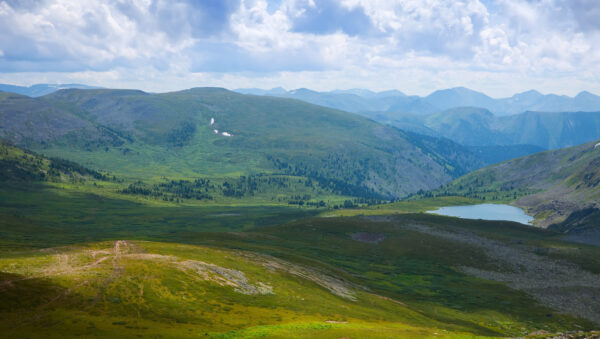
486, 212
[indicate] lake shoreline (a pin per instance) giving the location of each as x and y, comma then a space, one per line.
486, 212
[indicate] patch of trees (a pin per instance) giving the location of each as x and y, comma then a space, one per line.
335, 173
264, 185
58, 165
504, 192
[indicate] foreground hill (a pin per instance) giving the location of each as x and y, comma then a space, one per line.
86, 265
560, 188
215, 132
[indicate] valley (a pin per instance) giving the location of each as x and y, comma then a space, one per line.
282, 169
113, 268
126, 214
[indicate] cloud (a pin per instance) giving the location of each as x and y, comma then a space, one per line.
64, 35
328, 16
377, 43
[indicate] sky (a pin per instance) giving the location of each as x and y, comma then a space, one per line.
499, 47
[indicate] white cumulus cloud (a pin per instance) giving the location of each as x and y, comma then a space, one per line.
499, 46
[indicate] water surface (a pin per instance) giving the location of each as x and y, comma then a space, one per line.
486, 212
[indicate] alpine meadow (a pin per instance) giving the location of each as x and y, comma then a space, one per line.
300, 169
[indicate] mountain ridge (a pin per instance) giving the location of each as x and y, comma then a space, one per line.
397, 102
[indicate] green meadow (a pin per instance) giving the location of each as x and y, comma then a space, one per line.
79, 264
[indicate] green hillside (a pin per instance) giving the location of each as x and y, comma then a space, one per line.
149, 136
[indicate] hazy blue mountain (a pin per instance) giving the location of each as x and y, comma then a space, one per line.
473, 126
276, 91
360, 101
389, 104
551, 130
39, 90
365, 93
518, 103
459, 96
467, 126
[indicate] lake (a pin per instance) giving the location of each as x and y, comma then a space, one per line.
486, 212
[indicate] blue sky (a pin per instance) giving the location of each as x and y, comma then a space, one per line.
417, 46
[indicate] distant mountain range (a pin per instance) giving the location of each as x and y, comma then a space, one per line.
39, 90
459, 114
530, 121
479, 127
385, 103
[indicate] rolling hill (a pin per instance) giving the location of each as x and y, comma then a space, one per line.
217, 133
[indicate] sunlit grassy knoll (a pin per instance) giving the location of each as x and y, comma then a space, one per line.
125, 288
418, 270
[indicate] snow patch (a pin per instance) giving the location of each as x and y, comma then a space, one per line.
216, 131
212, 121
227, 134
597, 145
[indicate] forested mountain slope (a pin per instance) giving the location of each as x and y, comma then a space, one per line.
212, 131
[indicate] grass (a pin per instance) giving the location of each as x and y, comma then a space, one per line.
38, 216
194, 268
148, 290
418, 271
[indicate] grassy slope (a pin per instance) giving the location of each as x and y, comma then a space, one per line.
124, 289
147, 136
21, 167
413, 268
